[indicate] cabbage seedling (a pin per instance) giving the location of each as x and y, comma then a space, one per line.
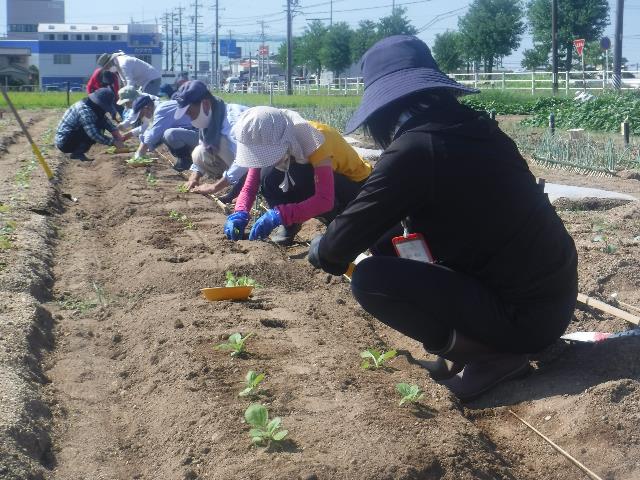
263, 431
253, 380
375, 359
233, 281
410, 393
182, 188
235, 343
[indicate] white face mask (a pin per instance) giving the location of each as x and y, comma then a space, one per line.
202, 120
113, 69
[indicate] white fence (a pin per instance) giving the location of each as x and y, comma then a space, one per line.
532, 82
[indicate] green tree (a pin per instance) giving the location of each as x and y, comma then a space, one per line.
336, 50
396, 24
281, 55
492, 29
363, 39
576, 19
311, 43
447, 50
536, 57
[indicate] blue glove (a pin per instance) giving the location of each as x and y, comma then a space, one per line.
265, 224
235, 225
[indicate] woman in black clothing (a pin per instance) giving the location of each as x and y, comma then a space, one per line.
496, 276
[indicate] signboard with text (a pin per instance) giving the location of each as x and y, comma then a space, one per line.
579, 44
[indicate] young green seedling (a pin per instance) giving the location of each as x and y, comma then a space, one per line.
410, 393
182, 188
152, 180
253, 380
375, 359
244, 281
263, 431
236, 344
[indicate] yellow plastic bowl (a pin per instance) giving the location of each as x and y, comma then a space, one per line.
227, 293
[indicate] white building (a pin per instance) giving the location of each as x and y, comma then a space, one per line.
68, 52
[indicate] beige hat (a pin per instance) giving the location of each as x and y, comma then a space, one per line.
105, 58
127, 94
264, 135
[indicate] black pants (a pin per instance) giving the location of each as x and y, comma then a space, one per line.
345, 189
76, 141
426, 302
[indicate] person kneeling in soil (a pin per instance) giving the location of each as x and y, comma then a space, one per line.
158, 125
215, 154
84, 122
316, 173
498, 279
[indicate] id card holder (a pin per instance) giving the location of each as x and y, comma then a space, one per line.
413, 247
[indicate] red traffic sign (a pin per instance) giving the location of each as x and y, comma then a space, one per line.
579, 44
263, 51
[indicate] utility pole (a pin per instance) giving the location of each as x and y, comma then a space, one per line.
554, 45
166, 40
617, 48
180, 9
196, 24
331, 13
261, 59
173, 43
217, 62
290, 48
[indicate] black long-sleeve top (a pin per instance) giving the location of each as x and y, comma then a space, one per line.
463, 184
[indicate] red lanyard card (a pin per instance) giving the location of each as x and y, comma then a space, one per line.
414, 247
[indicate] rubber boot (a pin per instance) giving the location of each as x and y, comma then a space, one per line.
183, 158
284, 235
484, 368
441, 368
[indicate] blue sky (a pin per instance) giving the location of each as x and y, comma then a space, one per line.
242, 17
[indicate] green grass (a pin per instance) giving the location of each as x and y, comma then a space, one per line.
37, 100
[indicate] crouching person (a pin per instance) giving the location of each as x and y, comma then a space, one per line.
158, 125
214, 156
84, 123
305, 170
490, 275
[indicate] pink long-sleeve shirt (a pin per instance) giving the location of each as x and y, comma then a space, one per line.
320, 202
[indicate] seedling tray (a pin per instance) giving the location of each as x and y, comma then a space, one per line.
227, 293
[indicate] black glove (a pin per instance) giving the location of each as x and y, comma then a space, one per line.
314, 255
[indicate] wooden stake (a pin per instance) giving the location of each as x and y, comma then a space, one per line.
605, 307
34, 147
588, 472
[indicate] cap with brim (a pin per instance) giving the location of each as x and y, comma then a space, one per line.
181, 112
139, 103
259, 156
188, 94
127, 94
399, 65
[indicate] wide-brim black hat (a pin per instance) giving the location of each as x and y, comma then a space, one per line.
395, 67
105, 99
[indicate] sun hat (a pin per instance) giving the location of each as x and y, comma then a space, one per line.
188, 94
395, 67
105, 99
264, 135
138, 104
105, 58
127, 94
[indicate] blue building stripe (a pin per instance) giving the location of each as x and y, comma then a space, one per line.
79, 47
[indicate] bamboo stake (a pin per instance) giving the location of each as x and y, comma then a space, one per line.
34, 147
605, 307
225, 208
588, 472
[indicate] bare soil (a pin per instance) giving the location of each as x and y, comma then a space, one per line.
137, 391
